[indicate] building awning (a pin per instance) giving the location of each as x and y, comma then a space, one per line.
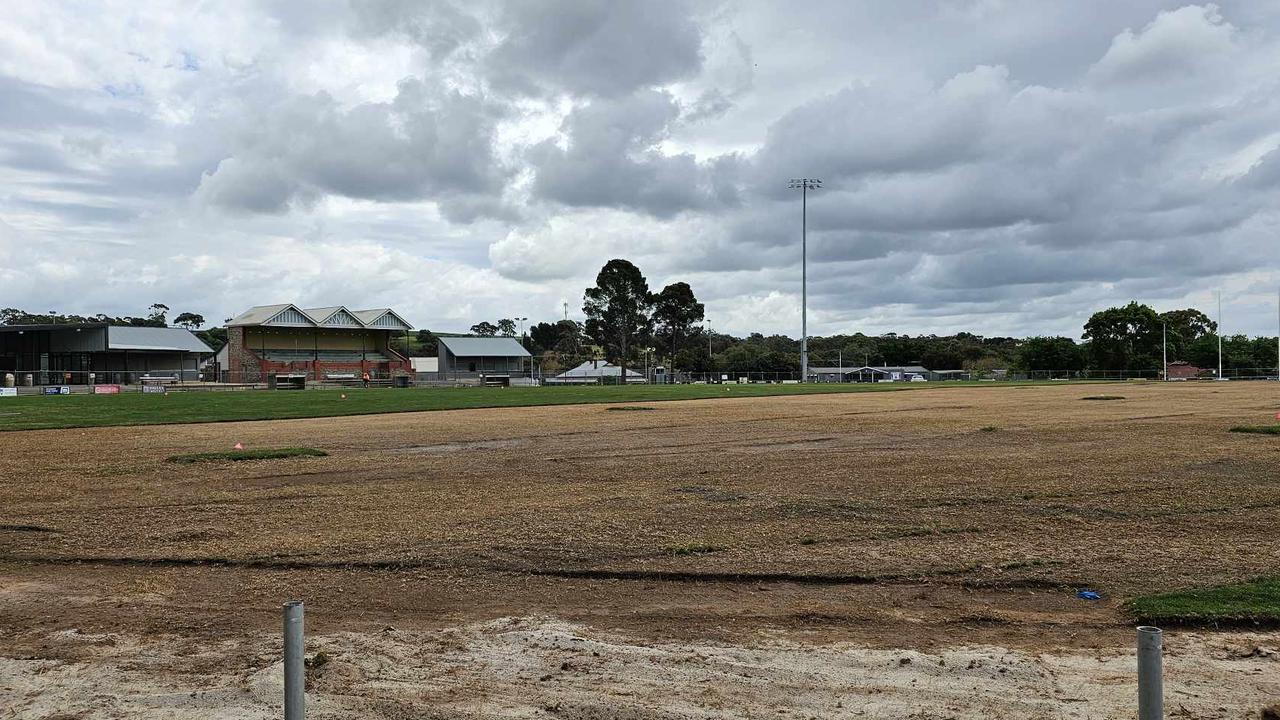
122, 337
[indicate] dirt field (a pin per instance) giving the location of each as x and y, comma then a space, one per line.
870, 555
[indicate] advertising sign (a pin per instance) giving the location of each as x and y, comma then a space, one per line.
106, 389
8, 392
153, 389
57, 390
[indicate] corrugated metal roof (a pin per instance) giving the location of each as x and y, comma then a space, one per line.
319, 315
122, 337
260, 314
484, 346
591, 369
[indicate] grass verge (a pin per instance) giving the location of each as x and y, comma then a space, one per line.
36, 412
1258, 429
1252, 603
261, 454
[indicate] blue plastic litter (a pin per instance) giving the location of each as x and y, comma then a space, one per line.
1088, 595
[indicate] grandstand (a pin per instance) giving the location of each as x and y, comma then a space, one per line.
329, 343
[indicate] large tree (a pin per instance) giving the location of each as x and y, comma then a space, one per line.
484, 328
507, 327
190, 321
618, 311
1049, 353
1124, 338
428, 343
675, 311
1185, 327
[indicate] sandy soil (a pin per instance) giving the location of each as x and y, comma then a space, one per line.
723, 557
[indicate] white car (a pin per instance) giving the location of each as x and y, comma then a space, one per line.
916, 377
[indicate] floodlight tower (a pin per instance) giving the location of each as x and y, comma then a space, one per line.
804, 185
1219, 333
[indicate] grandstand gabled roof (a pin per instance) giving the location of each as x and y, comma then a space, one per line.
336, 316
286, 315
382, 318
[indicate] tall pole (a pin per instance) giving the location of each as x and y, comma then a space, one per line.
1219, 334
804, 185
522, 345
1164, 339
1278, 335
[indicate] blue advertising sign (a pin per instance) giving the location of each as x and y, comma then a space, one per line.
57, 390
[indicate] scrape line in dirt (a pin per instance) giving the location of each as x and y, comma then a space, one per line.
673, 576
714, 577
29, 528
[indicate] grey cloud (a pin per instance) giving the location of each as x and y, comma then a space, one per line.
439, 27
594, 47
612, 160
427, 142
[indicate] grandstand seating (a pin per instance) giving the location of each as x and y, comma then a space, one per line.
327, 356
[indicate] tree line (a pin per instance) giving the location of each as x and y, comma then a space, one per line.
627, 323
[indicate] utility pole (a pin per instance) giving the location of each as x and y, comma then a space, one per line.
804, 185
1164, 348
566, 310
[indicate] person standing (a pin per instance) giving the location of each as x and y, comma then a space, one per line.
365, 378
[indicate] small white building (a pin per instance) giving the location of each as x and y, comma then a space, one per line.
425, 364
595, 372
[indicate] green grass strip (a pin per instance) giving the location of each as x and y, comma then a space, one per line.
1257, 429
1256, 602
261, 454
36, 412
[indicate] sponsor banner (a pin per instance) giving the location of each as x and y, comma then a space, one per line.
8, 392
57, 390
106, 389
153, 389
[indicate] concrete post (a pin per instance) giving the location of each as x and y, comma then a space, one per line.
1150, 674
294, 670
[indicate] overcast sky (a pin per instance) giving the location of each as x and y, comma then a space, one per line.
1000, 167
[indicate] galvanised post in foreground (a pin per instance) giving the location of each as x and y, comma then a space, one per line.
294, 671
1150, 674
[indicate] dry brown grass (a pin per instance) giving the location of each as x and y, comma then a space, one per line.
891, 498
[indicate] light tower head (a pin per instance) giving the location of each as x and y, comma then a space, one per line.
806, 183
